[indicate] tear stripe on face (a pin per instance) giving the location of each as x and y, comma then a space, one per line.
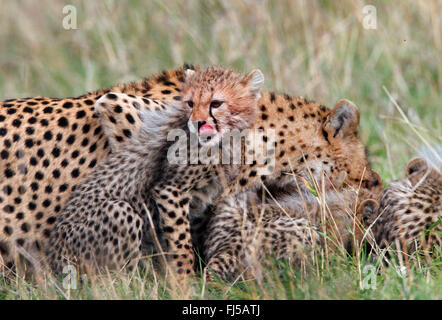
214, 120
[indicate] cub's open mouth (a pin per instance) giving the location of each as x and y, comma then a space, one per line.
206, 130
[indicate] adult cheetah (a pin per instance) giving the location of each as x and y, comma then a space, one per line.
51, 144
47, 146
228, 229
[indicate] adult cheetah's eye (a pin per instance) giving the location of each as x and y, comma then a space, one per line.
216, 104
190, 104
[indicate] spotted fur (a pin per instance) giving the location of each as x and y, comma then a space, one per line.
47, 145
345, 118
106, 222
246, 228
50, 144
409, 214
123, 183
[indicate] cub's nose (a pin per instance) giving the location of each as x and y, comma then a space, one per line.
205, 129
201, 123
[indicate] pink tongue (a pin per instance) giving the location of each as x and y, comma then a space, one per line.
206, 130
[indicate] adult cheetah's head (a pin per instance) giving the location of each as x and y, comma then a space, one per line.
336, 155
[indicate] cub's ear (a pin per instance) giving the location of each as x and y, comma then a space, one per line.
254, 80
416, 169
372, 183
189, 73
343, 120
368, 210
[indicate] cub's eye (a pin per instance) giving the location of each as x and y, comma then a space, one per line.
216, 104
190, 104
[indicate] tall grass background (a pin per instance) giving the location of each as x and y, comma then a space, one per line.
317, 49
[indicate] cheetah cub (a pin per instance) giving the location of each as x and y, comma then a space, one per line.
409, 215
105, 222
246, 228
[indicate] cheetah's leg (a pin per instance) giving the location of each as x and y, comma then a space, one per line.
173, 205
224, 265
108, 237
6, 259
223, 247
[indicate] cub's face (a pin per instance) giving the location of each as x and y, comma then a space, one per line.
221, 100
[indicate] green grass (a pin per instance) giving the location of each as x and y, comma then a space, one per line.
316, 49
333, 277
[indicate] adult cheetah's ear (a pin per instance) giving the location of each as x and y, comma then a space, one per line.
343, 120
368, 210
188, 73
254, 80
416, 169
